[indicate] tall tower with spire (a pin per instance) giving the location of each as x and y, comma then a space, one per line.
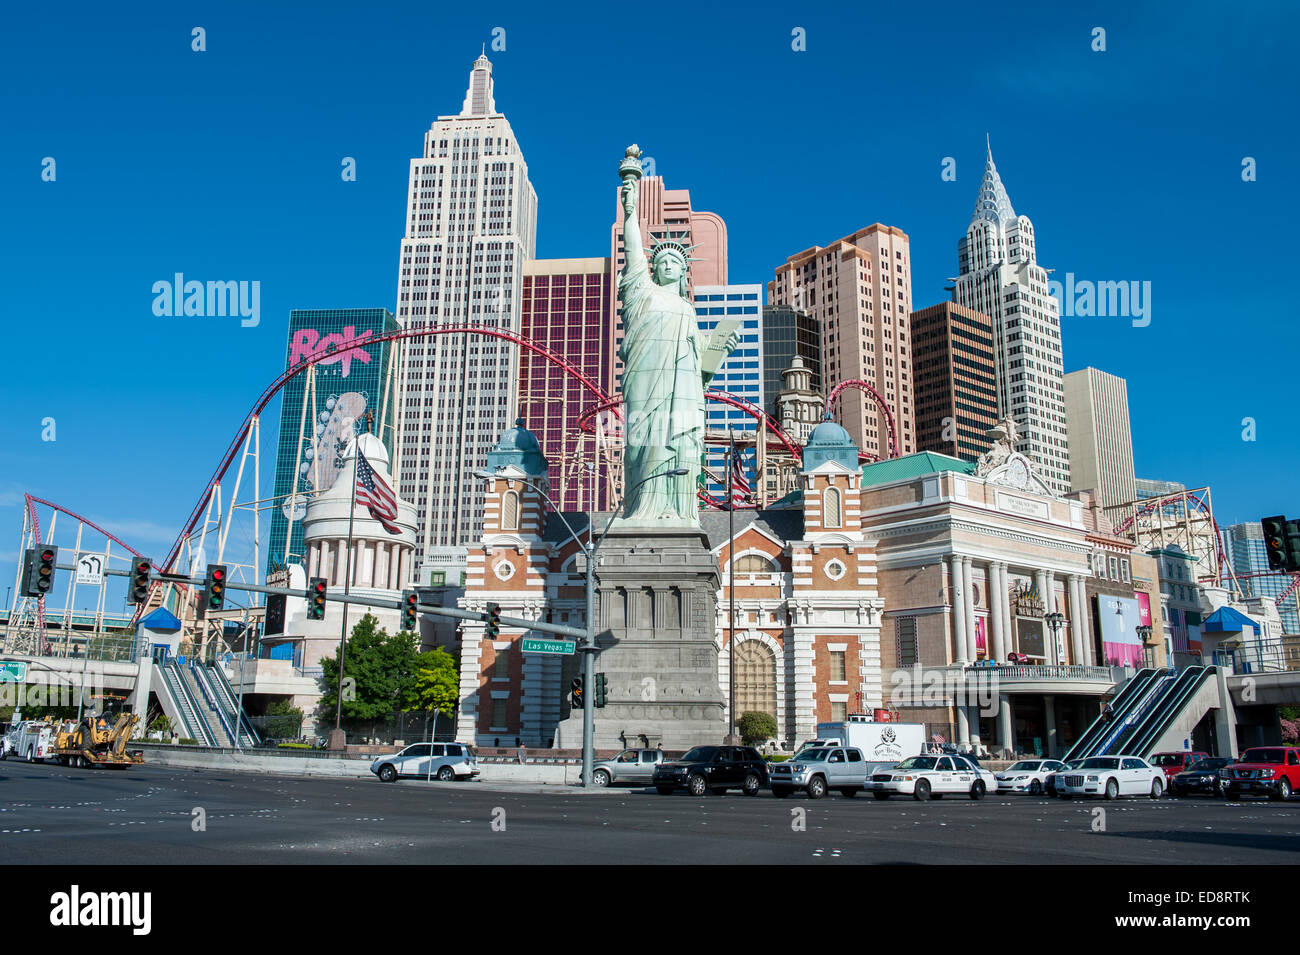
471, 224
999, 275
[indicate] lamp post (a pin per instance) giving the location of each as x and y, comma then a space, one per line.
1144, 634
1055, 621
588, 648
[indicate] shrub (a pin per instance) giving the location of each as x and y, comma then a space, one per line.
186, 741
755, 726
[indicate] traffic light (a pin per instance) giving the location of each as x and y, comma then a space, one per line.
1293, 546
316, 588
1275, 542
214, 586
410, 600
602, 690
493, 621
38, 573
575, 693
137, 585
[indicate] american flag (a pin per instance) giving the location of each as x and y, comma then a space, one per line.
377, 496
740, 486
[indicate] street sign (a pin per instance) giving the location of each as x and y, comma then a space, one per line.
90, 570
534, 645
13, 671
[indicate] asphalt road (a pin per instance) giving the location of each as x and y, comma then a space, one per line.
146, 815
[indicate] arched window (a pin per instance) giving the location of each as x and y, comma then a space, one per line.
510, 511
754, 564
755, 678
831, 508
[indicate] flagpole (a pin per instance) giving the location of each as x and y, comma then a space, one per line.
347, 584
731, 572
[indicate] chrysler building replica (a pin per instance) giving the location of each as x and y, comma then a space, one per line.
1000, 276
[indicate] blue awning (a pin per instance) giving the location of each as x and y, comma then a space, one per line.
1227, 620
161, 620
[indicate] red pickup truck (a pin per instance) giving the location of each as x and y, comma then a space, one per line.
1272, 770
1175, 763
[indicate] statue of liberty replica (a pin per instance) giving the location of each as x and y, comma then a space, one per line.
657, 578
666, 366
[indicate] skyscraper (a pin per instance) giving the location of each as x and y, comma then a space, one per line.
999, 275
1101, 444
566, 308
953, 380
740, 374
859, 290
471, 223
321, 409
788, 334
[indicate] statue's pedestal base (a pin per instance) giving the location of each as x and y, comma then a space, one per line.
656, 612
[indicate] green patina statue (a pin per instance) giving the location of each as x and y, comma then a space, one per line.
666, 366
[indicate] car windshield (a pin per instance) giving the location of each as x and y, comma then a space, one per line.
1167, 759
1214, 762
814, 755
699, 754
1273, 756
918, 762
1024, 766
1101, 763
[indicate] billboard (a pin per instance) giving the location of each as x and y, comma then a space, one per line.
1119, 618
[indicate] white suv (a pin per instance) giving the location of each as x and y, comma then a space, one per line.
444, 761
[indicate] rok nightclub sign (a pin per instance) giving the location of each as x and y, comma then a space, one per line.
309, 343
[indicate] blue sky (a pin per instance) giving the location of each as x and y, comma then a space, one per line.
226, 164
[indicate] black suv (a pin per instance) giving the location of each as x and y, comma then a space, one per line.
716, 768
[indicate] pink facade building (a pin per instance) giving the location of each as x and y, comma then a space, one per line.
859, 289
567, 307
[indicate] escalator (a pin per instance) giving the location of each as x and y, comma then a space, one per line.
183, 709
197, 681
229, 702
1147, 735
1125, 704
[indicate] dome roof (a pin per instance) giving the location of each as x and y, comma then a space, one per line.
828, 432
518, 438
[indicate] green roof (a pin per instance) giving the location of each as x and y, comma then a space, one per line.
911, 466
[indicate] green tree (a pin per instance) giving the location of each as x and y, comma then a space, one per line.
755, 726
437, 684
283, 720
379, 671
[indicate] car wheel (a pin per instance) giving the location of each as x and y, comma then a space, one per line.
1284, 788
780, 792
816, 788
1035, 788
881, 796
600, 777
387, 774
30, 758
696, 785
664, 790
922, 791
752, 785
1112, 788
446, 774
1156, 788
977, 791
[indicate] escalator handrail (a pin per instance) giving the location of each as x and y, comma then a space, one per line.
201, 678
191, 708
1086, 743
229, 690
1168, 711
1134, 715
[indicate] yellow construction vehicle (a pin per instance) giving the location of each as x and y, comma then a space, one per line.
93, 742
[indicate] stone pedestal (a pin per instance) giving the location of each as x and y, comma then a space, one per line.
655, 609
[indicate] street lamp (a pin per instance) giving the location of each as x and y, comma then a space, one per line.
588, 648
1055, 621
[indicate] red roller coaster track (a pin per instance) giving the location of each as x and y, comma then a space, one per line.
863, 386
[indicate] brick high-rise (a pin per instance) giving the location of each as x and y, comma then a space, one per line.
953, 380
859, 289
